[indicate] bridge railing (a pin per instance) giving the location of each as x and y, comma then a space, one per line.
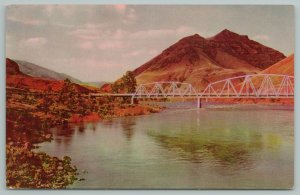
260, 85
165, 89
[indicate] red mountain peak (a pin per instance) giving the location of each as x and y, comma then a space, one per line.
192, 40
244, 48
189, 42
228, 35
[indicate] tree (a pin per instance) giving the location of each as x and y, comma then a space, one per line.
127, 84
69, 95
68, 87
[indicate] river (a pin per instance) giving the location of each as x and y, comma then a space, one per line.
182, 147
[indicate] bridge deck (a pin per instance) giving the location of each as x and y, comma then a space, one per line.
206, 96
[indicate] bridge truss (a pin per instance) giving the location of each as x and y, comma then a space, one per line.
246, 86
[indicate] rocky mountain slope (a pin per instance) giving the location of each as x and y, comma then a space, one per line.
285, 66
199, 61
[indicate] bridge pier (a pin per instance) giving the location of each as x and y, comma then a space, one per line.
199, 103
132, 100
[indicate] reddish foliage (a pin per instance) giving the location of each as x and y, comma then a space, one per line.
106, 88
33, 83
92, 117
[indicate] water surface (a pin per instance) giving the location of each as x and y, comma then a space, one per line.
183, 147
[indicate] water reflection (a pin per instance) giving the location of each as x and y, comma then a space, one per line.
64, 130
93, 127
201, 148
128, 125
81, 128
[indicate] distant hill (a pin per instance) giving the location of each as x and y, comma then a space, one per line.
17, 79
38, 71
199, 61
95, 84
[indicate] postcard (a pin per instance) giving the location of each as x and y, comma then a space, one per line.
150, 96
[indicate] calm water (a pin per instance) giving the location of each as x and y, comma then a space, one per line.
183, 148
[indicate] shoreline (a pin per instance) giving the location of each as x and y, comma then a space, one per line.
131, 110
43, 120
213, 105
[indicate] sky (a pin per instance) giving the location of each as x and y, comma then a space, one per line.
102, 42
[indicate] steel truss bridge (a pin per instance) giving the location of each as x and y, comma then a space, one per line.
247, 86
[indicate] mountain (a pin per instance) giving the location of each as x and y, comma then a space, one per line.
242, 47
285, 66
17, 79
199, 61
38, 71
12, 67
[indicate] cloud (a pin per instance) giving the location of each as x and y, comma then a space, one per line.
133, 53
120, 8
94, 69
91, 36
111, 44
96, 35
63, 10
140, 52
88, 32
154, 33
120, 34
26, 21
86, 45
130, 17
153, 52
261, 37
33, 42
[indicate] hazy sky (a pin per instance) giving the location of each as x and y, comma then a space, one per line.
100, 43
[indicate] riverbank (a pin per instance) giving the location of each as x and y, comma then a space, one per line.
192, 104
29, 119
254, 101
121, 111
